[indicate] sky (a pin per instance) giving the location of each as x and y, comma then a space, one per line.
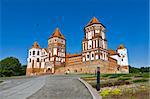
25, 21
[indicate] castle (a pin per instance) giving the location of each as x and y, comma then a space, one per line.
95, 53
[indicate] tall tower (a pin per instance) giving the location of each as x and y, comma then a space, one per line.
57, 47
123, 55
34, 59
94, 44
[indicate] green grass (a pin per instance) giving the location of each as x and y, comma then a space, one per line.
124, 78
140, 80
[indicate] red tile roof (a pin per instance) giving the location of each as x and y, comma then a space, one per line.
58, 34
121, 46
35, 45
92, 21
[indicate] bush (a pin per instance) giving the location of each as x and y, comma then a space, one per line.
124, 78
116, 75
116, 92
140, 80
146, 75
105, 93
114, 83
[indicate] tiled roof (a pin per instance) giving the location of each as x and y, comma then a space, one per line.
121, 46
111, 52
35, 45
72, 55
92, 21
58, 34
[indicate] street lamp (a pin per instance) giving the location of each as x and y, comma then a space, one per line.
98, 79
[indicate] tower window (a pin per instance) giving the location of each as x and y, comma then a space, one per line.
122, 59
92, 55
33, 52
38, 53
30, 52
37, 59
87, 56
98, 56
30, 60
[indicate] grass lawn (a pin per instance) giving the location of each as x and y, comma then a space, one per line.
122, 86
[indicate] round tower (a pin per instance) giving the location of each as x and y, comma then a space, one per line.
123, 55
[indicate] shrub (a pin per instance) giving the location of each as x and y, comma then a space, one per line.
140, 80
105, 92
114, 83
146, 75
124, 78
116, 75
116, 92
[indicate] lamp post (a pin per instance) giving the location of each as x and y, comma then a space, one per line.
98, 79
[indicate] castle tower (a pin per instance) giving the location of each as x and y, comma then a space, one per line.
57, 47
122, 51
94, 44
34, 58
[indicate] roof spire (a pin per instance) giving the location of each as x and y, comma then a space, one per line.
35, 45
121, 46
58, 34
93, 20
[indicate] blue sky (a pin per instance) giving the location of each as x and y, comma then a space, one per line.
26, 21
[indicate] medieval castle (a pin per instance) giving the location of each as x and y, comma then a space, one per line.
95, 53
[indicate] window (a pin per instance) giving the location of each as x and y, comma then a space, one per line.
92, 55
33, 52
98, 56
122, 59
37, 59
87, 56
30, 52
30, 60
38, 53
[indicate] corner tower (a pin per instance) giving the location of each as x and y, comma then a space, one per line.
123, 55
94, 44
57, 47
34, 59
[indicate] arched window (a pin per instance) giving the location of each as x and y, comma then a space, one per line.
33, 52
38, 53
38, 60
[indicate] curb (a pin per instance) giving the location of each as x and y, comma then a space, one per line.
92, 91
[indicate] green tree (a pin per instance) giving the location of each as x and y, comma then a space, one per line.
23, 69
10, 66
145, 69
134, 70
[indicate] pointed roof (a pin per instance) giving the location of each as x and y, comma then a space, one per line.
57, 33
121, 46
35, 45
92, 21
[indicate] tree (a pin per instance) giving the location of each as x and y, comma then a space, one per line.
10, 66
134, 70
23, 69
145, 69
